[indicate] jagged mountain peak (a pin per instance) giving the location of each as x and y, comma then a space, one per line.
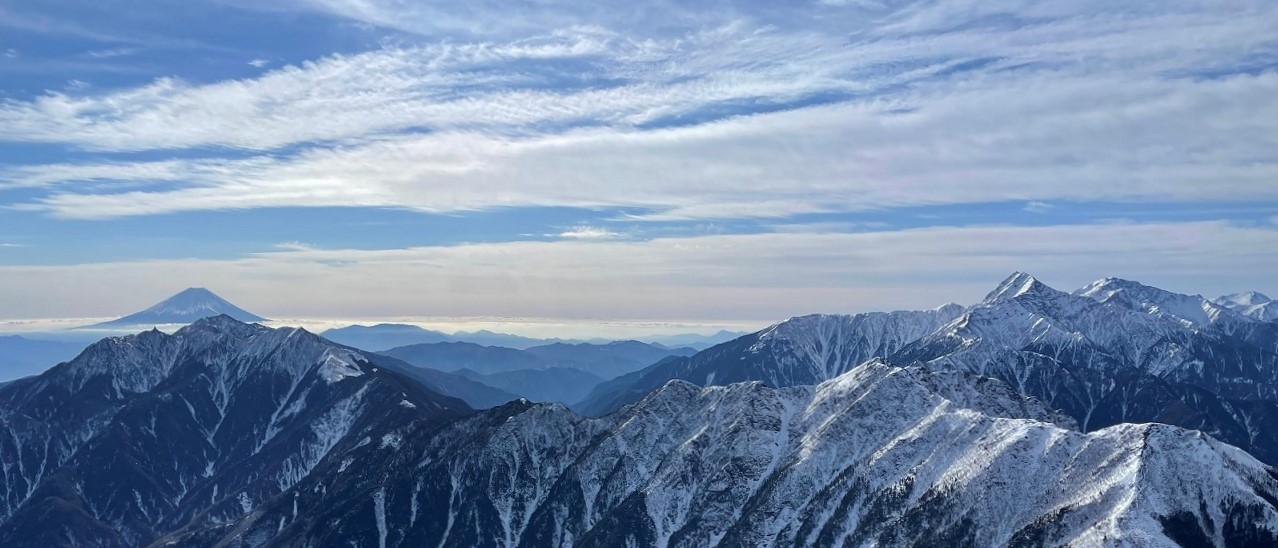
818, 324
224, 323
1194, 310
1251, 304
1017, 303
823, 341
1103, 288
138, 362
1246, 298
1016, 285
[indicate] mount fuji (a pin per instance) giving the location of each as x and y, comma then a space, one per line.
187, 306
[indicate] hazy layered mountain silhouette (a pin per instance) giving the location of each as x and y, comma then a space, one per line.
453, 356
384, 336
694, 340
555, 384
21, 356
559, 372
476, 394
604, 360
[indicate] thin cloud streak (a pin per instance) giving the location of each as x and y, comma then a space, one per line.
589, 233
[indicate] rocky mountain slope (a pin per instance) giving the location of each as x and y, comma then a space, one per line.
1117, 351
1114, 351
141, 435
799, 351
880, 455
1251, 304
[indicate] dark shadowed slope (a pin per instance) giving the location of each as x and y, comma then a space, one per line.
142, 435
556, 384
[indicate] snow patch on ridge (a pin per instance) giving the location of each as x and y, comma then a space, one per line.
335, 368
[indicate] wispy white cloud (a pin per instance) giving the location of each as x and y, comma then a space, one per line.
936, 102
384, 91
111, 53
389, 90
1038, 207
34, 22
738, 277
830, 227
259, 62
1021, 141
37, 17
434, 18
584, 232
295, 246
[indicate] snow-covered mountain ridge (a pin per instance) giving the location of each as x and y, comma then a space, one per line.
875, 456
142, 434
1114, 351
802, 350
1117, 351
1251, 304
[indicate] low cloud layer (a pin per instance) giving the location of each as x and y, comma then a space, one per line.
732, 277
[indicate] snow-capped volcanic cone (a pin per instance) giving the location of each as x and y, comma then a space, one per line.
186, 307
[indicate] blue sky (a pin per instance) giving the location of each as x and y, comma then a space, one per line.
645, 160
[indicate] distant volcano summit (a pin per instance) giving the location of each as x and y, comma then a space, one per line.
186, 307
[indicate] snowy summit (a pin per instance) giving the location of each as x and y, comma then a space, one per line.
189, 305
